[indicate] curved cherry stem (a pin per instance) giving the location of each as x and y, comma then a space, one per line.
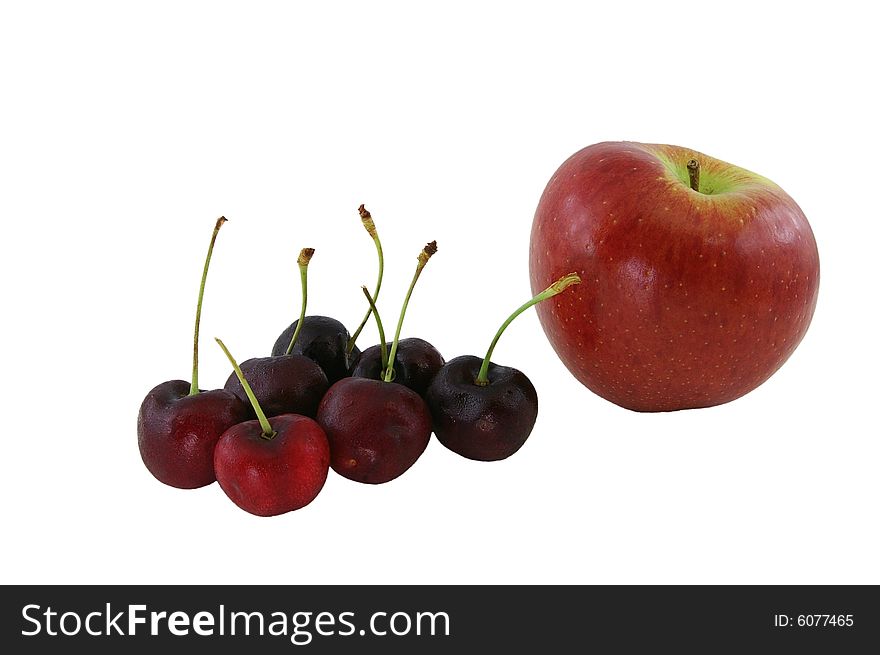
194, 384
383, 347
268, 432
370, 226
429, 250
305, 256
557, 287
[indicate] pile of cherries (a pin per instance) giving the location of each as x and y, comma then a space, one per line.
270, 436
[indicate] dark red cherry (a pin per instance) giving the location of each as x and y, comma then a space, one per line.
323, 340
288, 384
483, 411
488, 422
415, 364
177, 432
376, 430
178, 424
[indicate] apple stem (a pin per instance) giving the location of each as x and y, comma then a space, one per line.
383, 347
305, 256
424, 256
557, 287
268, 432
693, 167
370, 226
194, 384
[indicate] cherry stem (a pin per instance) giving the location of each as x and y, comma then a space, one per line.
268, 432
305, 256
424, 256
693, 167
383, 347
194, 385
557, 287
370, 226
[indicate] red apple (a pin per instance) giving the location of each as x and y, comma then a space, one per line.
690, 298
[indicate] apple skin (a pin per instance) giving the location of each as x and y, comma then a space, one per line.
689, 298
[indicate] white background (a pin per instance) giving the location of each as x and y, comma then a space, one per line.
126, 129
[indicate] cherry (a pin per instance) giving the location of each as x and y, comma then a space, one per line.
483, 411
271, 466
324, 339
287, 383
415, 364
377, 429
178, 424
